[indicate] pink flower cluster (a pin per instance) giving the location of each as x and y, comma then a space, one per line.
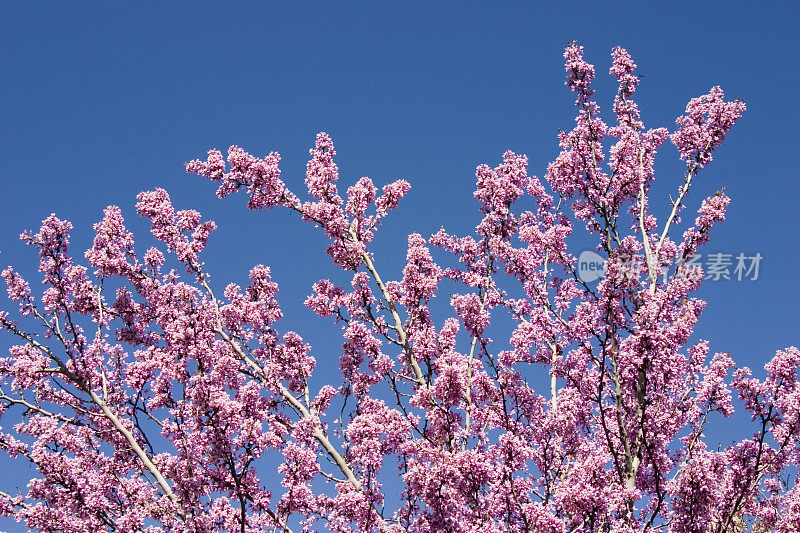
260, 176
704, 126
167, 225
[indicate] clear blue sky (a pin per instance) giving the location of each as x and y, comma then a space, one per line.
103, 100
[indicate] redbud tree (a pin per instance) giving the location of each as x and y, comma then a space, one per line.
150, 398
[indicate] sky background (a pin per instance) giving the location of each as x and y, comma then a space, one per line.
103, 100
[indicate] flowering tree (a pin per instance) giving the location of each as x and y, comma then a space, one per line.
158, 406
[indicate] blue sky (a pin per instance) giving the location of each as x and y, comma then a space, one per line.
103, 100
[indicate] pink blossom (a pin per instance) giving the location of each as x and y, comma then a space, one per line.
113, 245
704, 126
390, 198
